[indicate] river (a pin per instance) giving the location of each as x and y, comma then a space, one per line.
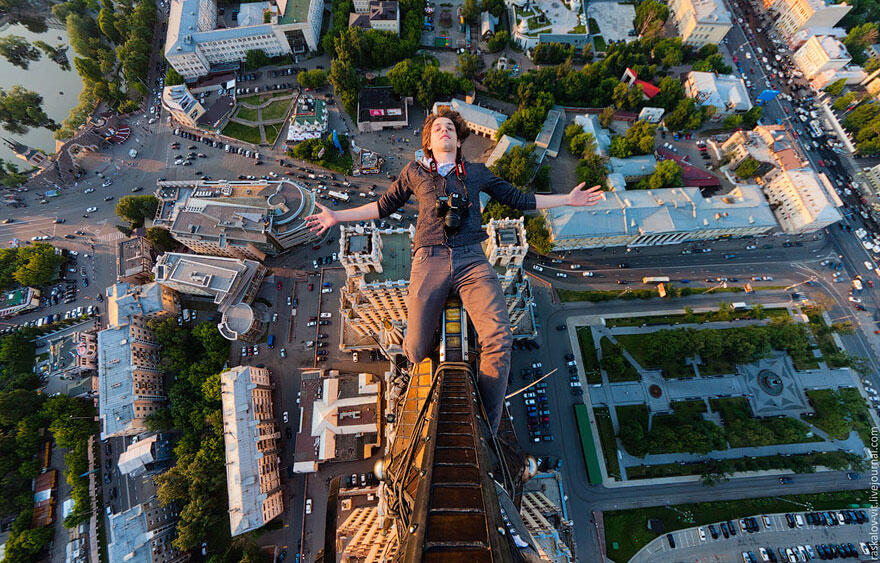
59, 88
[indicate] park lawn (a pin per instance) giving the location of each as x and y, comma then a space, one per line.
616, 366
629, 528
277, 109
684, 430
248, 114
272, 131
608, 441
717, 366
588, 354
839, 412
568, 295
242, 132
744, 430
684, 318
805, 362
636, 344
799, 463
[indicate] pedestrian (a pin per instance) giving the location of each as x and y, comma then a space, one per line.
447, 255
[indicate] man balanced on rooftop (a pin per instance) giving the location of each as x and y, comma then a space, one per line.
447, 255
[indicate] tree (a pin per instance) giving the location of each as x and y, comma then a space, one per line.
666, 175
137, 208
639, 139
471, 11
312, 78
592, 170
18, 51
497, 81
346, 82
733, 121
499, 41
537, 234
81, 29
21, 108
836, 87
172, 77
469, 65
494, 7
747, 168
107, 22
751, 117
606, 116
88, 68
650, 17
859, 38
517, 166
670, 94
256, 58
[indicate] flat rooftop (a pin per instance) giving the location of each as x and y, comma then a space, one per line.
396, 258
295, 11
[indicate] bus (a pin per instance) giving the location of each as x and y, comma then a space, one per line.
338, 195
815, 129
656, 279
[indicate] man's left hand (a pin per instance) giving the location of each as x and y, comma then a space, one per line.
579, 197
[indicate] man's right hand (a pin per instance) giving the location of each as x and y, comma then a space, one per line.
320, 222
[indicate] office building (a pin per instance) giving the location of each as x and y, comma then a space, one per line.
238, 219
19, 300
340, 420
309, 121
134, 260
700, 22
144, 533
381, 15
253, 451
130, 382
800, 199
380, 108
230, 283
199, 41
726, 92
481, 121
658, 217
791, 16
182, 105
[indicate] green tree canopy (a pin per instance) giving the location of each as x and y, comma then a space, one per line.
18, 51
21, 108
517, 166
666, 175
137, 208
314, 78
172, 77
469, 65
499, 41
836, 87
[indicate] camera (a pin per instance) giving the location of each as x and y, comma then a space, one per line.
452, 209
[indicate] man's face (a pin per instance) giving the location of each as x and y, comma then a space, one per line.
443, 135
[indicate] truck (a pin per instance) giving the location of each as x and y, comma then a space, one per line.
740, 305
271, 341
338, 195
655, 279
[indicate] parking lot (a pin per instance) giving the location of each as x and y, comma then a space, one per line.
773, 533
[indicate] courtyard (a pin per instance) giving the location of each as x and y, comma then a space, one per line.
260, 119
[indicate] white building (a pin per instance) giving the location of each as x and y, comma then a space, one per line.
701, 21
793, 15
196, 44
182, 105
659, 217
800, 201
726, 92
820, 53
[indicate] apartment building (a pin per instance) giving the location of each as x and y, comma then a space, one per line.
791, 16
253, 453
819, 54
238, 219
636, 218
130, 382
700, 22
134, 260
799, 199
231, 284
726, 92
199, 41
144, 533
772, 144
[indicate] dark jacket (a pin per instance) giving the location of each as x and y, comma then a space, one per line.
417, 180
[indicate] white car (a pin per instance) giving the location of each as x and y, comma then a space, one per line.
88, 190
702, 534
326, 315
854, 299
283, 353
869, 265
91, 209
751, 247
312, 323
537, 268
354, 357
587, 274
284, 416
308, 506
243, 351
561, 275
256, 350
327, 290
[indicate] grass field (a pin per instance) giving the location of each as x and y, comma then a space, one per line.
839, 412
243, 133
629, 528
636, 345
616, 366
248, 113
276, 109
588, 354
684, 318
608, 441
272, 131
744, 430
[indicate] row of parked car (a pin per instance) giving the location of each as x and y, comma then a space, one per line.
537, 407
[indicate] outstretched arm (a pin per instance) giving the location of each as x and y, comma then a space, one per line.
320, 222
578, 197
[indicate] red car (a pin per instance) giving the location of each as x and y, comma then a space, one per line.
279, 285
311, 286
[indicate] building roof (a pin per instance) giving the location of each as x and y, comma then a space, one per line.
178, 97
132, 256
472, 113
661, 211
639, 165
294, 11
590, 123
396, 257
137, 455
383, 10
135, 539
720, 90
115, 397
487, 23
218, 111
505, 143
125, 300
550, 135
711, 12
833, 47
806, 186
380, 103
224, 279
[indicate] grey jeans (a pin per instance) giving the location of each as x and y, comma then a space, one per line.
436, 272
